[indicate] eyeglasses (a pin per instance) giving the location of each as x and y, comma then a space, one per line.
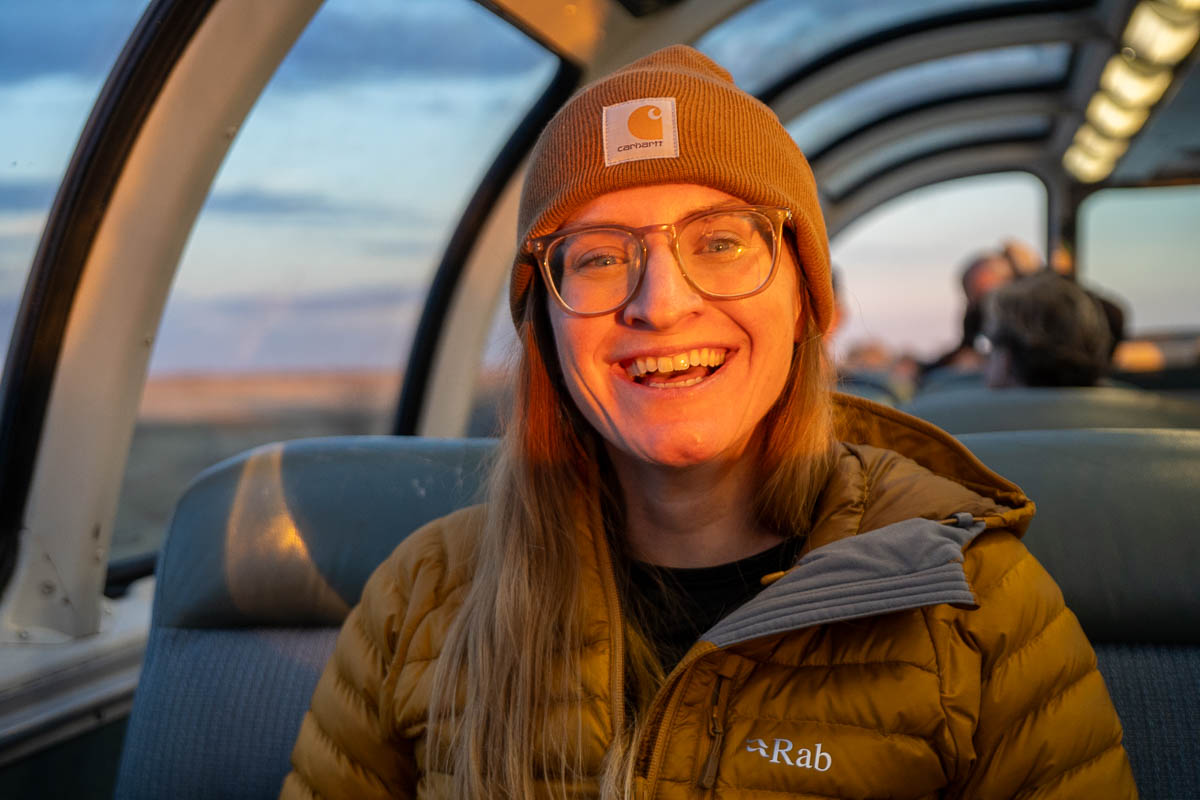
723, 253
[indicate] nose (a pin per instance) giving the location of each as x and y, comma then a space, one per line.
664, 297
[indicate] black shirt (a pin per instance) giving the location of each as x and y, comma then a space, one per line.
678, 604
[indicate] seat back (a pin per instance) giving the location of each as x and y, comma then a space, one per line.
1117, 512
977, 409
265, 555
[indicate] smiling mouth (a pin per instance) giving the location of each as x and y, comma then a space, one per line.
676, 371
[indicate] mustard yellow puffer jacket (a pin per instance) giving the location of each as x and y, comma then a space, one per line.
915, 650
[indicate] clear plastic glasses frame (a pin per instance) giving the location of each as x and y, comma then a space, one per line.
543, 249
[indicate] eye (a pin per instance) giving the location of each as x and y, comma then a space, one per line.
597, 260
722, 244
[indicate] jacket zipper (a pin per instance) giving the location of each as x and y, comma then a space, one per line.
716, 729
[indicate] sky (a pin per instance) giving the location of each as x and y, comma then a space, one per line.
328, 217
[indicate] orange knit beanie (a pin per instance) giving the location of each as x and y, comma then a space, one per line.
674, 116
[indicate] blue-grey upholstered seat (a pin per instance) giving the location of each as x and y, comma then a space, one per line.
265, 554
976, 409
267, 551
1116, 525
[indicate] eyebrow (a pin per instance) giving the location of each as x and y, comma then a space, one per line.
730, 203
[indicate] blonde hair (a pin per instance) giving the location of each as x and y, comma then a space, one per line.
492, 725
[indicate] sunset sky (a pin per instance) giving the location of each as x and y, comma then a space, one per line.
328, 217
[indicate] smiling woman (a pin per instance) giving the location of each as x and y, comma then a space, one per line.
601, 626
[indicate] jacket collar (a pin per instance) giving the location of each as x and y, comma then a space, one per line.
906, 565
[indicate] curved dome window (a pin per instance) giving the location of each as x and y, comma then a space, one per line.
882, 159
764, 42
929, 82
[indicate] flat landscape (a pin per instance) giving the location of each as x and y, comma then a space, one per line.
190, 422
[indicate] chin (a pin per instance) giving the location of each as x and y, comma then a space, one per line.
679, 450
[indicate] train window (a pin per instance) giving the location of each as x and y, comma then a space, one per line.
54, 56
900, 263
1019, 127
1140, 245
301, 286
787, 34
1032, 66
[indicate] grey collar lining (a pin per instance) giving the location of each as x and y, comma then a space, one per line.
906, 565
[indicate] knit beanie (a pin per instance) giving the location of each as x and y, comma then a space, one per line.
674, 116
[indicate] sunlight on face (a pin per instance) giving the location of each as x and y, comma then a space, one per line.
675, 379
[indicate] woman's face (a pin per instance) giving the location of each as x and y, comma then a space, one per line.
670, 418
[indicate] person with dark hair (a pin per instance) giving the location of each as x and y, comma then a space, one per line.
699, 572
1046, 330
984, 273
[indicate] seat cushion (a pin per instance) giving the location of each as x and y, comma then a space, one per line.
1156, 690
217, 711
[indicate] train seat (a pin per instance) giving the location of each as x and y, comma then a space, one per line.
977, 409
267, 551
265, 555
1116, 511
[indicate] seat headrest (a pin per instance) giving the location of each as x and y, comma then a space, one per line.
1116, 521
287, 534
974, 409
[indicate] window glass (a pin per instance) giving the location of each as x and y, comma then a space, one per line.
939, 139
986, 71
1139, 245
769, 39
300, 289
900, 263
54, 57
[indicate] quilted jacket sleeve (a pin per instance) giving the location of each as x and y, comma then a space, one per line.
346, 747
1044, 725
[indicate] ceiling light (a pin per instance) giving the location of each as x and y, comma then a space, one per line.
1085, 166
1098, 144
1161, 34
1114, 119
1134, 84
1186, 5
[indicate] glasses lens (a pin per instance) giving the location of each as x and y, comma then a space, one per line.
728, 252
594, 270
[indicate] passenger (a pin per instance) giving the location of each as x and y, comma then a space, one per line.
1025, 260
601, 628
984, 273
1046, 331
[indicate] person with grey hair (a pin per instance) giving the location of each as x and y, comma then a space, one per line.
1045, 330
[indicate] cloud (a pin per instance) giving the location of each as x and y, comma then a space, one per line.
64, 37
357, 299
264, 202
26, 195
83, 39
461, 40
368, 327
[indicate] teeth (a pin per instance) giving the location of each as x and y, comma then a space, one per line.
703, 356
676, 385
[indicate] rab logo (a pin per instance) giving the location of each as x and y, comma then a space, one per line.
640, 129
646, 122
780, 751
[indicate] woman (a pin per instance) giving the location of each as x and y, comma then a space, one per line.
601, 626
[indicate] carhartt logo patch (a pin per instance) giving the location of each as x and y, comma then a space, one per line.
780, 751
639, 129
